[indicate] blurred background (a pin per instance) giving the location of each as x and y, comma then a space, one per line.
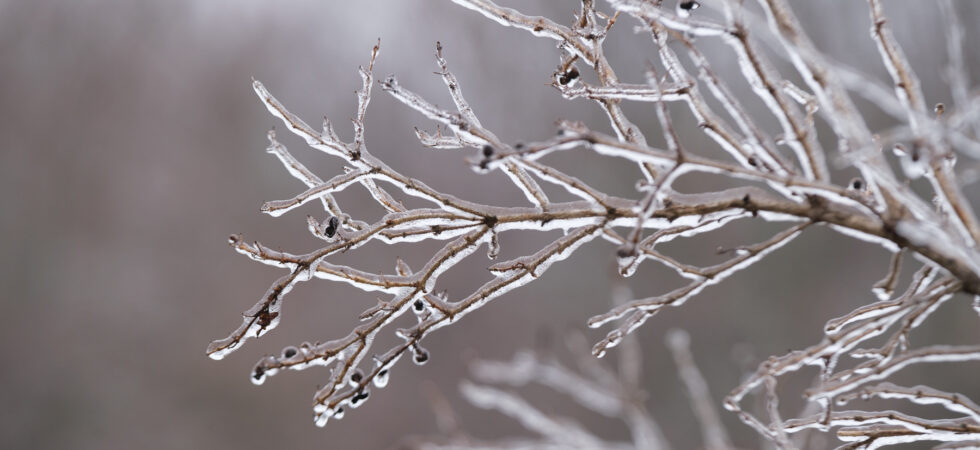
132, 145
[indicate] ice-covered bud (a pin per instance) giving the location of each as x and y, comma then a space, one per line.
356, 376
627, 260
421, 355
940, 109
912, 161
289, 352
418, 307
402, 268
487, 151
569, 77
381, 379
685, 8
258, 374
358, 398
330, 227
856, 184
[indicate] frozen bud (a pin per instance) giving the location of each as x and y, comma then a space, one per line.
289, 352
627, 260
856, 184
381, 379
402, 267
912, 163
421, 355
258, 374
940, 109
330, 227
418, 306
624, 252
685, 8
358, 398
487, 151
356, 376
568, 78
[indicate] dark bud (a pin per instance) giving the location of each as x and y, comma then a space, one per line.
421, 356
570, 75
487, 151
357, 376
265, 318
289, 352
940, 109
519, 145
331, 228
418, 305
258, 372
359, 397
689, 5
624, 252
857, 184
753, 162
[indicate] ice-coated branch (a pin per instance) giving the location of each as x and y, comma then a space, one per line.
779, 177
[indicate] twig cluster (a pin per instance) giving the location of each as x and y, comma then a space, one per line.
786, 177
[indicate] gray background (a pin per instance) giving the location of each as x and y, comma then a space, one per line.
131, 145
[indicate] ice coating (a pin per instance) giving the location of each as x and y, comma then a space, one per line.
794, 188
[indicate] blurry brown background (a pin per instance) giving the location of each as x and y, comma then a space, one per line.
131, 145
